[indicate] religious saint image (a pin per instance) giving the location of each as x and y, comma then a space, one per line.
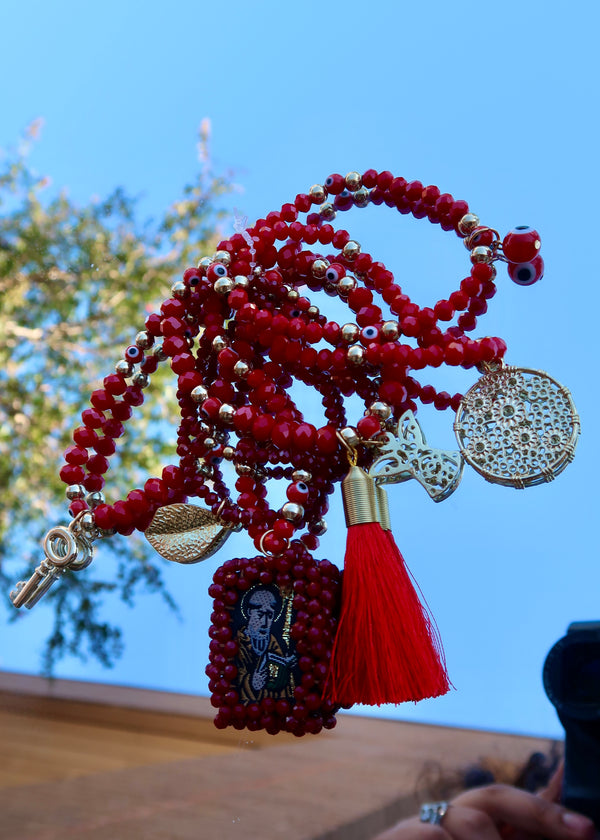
266, 660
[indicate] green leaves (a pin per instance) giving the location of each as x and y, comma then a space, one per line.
76, 284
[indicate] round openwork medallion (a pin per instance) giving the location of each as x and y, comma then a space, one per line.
517, 427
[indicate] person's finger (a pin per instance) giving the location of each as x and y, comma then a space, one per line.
553, 790
469, 824
414, 829
527, 812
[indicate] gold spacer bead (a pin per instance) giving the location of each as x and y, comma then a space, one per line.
219, 343
142, 380
301, 475
292, 512
317, 193
209, 442
144, 340
390, 330
226, 413
481, 254
241, 369
353, 181
223, 285
243, 469
293, 295
319, 527
350, 436
313, 312
179, 290
351, 250
124, 368
327, 212
223, 257
319, 268
240, 281
205, 263
228, 453
468, 223
356, 354
362, 197
380, 409
346, 285
199, 394
350, 332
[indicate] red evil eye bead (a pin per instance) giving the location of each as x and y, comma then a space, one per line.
369, 334
521, 244
335, 272
297, 492
216, 271
481, 236
134, 354
526, 273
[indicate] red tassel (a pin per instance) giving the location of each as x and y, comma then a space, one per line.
386, 649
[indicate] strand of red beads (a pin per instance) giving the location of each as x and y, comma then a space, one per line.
237, 334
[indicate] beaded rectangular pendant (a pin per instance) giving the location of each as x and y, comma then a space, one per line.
273, 625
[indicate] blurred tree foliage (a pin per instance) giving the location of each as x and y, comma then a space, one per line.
76, 284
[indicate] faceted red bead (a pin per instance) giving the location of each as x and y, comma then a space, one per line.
442, 400
368, 426
183, 362
102, 400
455, 353
114, 428
262, 427
104, 517
173, 477
98, 464
71, 474
84, 436
138, 502
175, 344
105, 445
93, 482
156, 489
76, 455
120, 411
133, 395
443, 310
173, 326
189, 380
92, 418
393, 392
152, 324
304, 437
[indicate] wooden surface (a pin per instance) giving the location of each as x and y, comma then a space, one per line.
72, 769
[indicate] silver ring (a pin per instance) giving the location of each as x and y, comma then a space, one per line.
433, 812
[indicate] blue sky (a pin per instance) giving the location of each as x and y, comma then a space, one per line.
496, 104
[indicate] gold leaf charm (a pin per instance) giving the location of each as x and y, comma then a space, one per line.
186, 533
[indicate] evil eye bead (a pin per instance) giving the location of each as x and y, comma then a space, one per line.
526, 273
297, 492
369, 334
216, 271
335, 272
134, 354
480, 236
521, 244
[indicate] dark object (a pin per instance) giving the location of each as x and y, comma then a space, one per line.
572, 682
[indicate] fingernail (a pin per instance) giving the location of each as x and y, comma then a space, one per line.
577, 823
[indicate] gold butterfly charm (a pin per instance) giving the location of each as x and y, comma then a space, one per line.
186, 533
406, 455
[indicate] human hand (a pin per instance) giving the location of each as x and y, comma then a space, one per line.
499, 812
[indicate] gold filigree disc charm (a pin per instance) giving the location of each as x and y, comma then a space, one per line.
186, 533
517, 427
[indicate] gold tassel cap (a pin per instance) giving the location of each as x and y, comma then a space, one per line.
383, 508
358, 494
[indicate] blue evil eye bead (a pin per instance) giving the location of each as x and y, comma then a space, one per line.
369, 334
134, 354
335, 272
521, 244
217, 271
526, 273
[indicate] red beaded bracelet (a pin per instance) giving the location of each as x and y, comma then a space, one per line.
289, 642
